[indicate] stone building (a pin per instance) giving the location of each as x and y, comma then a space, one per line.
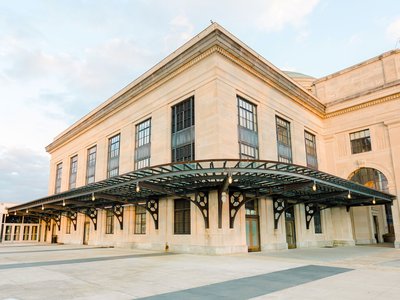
216, 150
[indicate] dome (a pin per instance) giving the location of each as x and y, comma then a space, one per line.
297, 75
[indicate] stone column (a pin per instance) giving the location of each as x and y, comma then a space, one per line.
393, 127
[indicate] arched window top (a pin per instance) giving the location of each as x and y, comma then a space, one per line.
371, 178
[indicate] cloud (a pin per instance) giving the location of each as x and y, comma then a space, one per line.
180, 31
393, 30
24, 174
274, 15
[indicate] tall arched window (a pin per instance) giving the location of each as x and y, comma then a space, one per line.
375, 179
371, 178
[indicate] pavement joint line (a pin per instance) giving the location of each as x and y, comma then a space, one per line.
78, 261
254, 286
52, 250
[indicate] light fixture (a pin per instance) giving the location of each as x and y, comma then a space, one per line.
230, 179
373, 201
137, 187
93, 197
27, 211
314, 187
349, 195
63, 202
42, 207
15, 213
223, 197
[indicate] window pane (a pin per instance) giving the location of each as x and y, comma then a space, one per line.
58, 178
317, 221
113, 156
91, 165
248, 136
311, 150
73, 171
109, 222
182, 137
360, 141
283, 140
182, 216
140, 220
142, 148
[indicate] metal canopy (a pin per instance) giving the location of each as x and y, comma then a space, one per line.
251, 178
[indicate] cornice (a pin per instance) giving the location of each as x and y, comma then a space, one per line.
352, 108
214, 39
215, 42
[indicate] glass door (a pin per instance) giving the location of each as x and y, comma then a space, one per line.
252, 226
86, 230
290, 228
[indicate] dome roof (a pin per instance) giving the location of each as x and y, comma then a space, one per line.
297, 75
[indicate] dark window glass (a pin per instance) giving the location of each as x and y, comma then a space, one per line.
26, 233
113, 156
283, 140
68, 229
17, 232
248, 135
7, 234
182, 216
251, 208
140, 220
311, 150
360, 141
317, 221
142, 145
91, 165
34, 233
182, 143
109, 222
73, 171
58, 178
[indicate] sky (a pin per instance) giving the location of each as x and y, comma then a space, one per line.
61, 59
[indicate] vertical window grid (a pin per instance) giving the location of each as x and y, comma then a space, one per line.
283, 140
317, 221
68, 228
113, 156
248, 135
140, 220
17, 232
7, 234
58, 178
183, 131
181, 216
142, 145
109, 222
26, 233
34, 233
91, 165
73, 171
360, 141
311, 150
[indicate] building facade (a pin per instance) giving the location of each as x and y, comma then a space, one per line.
215, 150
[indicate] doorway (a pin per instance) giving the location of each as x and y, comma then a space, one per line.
53, 234
376, 228
86, 230
290, 228
252, 226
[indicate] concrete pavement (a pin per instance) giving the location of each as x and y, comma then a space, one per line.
42, 271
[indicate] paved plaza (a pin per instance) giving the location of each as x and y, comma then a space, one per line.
44, 271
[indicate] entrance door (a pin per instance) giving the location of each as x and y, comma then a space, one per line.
376, 228
53, 234
290, 228
86, 230
252, 226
